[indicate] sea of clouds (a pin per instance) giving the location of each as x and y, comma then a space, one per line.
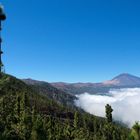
125, 103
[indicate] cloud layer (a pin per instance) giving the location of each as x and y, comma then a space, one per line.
125, 102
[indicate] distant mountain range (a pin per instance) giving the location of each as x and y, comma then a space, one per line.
121, 81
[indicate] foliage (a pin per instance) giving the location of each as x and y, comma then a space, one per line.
135, 133
109, 111
27, 115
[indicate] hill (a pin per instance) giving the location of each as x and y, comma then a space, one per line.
46, 89
28, 115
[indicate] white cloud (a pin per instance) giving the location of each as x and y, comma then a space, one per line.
125, 102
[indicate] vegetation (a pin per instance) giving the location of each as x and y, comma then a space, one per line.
27, 115
46, 89
135, 133
109, 111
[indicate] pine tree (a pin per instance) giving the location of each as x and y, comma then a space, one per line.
34, 135
69, 131
18, 108
109, 111
76, 120
50, 128
26, 118
136, 131
39, 128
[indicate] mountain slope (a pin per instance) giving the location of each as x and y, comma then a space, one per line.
27, 115
51, 92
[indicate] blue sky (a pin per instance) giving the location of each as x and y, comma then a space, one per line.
71, 40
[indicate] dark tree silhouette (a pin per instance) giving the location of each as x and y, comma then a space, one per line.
109, 111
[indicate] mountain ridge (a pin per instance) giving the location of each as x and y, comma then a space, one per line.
123, 80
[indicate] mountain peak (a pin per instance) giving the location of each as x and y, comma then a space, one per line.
126, 79
122, 75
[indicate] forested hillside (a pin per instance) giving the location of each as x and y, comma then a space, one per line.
46, 89
27, 115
